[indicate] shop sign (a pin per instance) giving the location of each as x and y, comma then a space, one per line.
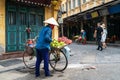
94, 14
114, 9
103, 12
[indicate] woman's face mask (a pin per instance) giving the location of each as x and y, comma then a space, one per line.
52, 26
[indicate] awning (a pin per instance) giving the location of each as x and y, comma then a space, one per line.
35, 2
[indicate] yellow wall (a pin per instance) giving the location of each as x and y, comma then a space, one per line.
2, 23
50, 12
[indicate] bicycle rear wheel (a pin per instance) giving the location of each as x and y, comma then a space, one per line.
29, 60
58, 60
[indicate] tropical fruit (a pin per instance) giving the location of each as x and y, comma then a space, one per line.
65, 40
57, 44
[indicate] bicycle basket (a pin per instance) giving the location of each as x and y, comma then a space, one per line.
29, 50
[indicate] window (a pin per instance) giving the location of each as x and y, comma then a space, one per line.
84, 1
78, 3
66, 6
73, 4
12, 18
32, 19
69, 5
62, 7
23, 18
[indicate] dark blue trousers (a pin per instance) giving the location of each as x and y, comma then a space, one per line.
99, 44
42, 54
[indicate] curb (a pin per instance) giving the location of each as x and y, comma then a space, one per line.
9, 55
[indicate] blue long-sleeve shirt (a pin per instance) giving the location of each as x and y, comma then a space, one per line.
44, 38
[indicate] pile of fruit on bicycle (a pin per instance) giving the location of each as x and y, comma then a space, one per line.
61, 42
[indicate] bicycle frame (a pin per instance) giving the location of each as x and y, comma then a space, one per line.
56, 57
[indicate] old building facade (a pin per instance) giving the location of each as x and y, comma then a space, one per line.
16, 16
84, 14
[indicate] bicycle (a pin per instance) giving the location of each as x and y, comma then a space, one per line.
57, 58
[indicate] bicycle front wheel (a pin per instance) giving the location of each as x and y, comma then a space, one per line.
58, 60
29, 60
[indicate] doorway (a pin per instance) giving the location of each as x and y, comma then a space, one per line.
19, 17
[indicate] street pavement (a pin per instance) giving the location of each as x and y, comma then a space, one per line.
85, 63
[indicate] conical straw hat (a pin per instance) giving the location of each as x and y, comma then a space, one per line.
51, 21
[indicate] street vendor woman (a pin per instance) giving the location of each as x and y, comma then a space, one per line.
43, 46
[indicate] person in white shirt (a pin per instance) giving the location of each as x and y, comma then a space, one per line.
104, 35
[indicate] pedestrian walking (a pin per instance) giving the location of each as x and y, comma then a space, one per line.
43, 46
98, 32
104, 35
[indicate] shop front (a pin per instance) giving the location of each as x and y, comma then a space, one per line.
90, 23
71, 27
114, 23
108, 13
